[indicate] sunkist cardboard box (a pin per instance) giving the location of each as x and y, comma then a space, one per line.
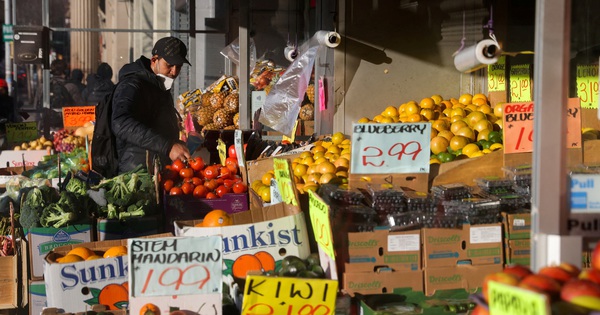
43, 240
11, 158
517, 226
79, 285
472, 244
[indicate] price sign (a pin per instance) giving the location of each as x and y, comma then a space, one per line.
520, 83
518, 126
222, 149
510, 300
21, 132
497, 75
587, 85
283, 177
77, 116
175, 265
319, 219
291, 296
390, 148
293, 137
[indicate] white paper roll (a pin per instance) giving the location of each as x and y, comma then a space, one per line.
290, 53
474, 57
329, 39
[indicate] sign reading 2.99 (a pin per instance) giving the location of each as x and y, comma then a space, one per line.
390, 148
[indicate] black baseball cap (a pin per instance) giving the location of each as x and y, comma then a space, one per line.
172, 50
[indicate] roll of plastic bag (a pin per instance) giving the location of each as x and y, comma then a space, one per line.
282, 104
474, 57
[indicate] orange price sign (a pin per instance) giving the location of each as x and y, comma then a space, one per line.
587, 85
496, 75
77, 116
520, 83
518, 126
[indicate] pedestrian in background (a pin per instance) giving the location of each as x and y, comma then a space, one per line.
75, 86
99, 84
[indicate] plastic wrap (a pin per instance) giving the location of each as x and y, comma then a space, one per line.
232, 52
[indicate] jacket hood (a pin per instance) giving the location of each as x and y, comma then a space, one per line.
139, 67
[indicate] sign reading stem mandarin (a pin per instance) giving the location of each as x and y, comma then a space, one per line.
175, 265
21, 132
284, 180
390, 148
319, 219
520, 83
77, 116
291, 296
510, 300
587, 85
497, 75
518, 126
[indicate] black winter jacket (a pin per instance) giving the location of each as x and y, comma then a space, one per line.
143, 116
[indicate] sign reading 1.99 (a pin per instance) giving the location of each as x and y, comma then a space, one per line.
390, 148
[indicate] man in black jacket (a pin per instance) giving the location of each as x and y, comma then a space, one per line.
144, 119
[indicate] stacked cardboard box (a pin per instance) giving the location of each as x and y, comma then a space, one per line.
460, 258
381, 261
517, 238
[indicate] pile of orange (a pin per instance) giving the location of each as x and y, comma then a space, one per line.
216, 218
83, 253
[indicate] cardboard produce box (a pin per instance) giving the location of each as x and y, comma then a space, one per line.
37, 297
382, 281
466, 277
43, 240
518, 252
472, 244
516, 226
115, 229
9, 282
79, 285
12, 158
400, 251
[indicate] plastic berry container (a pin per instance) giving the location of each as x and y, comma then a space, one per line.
495, 185
453, 191
419, 202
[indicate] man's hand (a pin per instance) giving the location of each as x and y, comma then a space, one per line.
179, 151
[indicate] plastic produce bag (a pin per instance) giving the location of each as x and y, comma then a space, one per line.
232, 52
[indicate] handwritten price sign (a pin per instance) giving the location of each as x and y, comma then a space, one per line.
497, 75
21, 132
77, 116
291, 296
319, 219
390, 148
283, 176
520, 83
518, 126
175, 265
587, 85
510, 300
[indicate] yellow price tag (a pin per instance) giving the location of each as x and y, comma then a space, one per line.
319, 218
222, 149
293, 138
497, 75
587, 85
292, 296
510, 300
283, 177
520, 83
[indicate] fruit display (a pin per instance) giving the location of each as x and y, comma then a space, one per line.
82, 253
215, 218
65, 140
38, 144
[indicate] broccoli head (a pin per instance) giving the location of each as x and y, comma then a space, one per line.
57, 215
76, 186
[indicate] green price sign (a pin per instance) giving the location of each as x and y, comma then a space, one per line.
510, 300
496, 75
21, 132
520, 83
283, 177
587, 85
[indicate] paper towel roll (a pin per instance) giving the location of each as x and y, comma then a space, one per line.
474, 57
329, 39
290, 53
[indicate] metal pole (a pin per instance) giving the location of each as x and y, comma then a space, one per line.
550, 243
46, 73
7, 63
244, 39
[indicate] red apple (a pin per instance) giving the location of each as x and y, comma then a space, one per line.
519, 270
583, 293
595, 257
502, 277
591, 275
557, 273
570, 268
541, 284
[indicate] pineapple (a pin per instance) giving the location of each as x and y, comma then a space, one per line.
205, 100
310, 93
205, 115
230, 127
210, 126
217, 99
222, 118
307, 112
232, 102
236, 120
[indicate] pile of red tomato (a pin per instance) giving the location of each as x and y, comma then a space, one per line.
196, 178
